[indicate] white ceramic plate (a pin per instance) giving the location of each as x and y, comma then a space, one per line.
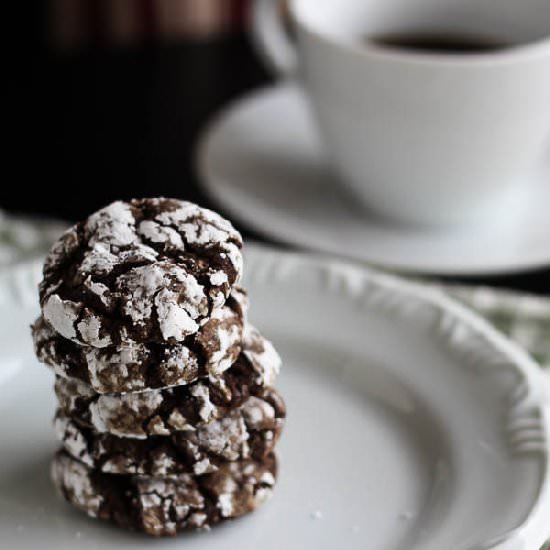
412, 424
262, 161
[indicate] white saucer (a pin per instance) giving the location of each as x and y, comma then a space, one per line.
412, 424
262, 161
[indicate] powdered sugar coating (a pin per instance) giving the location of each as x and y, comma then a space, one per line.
262, 355
165, 506
134, 367
250, 431
175, 296
100, 290
73, 481
162, 412
157, 233
73, 439
147, 270
62, 314
90, 332
219, 338
134, 415
112, 225
218, 278
207, 410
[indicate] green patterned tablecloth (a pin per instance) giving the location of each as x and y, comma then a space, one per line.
524, 318
23, 239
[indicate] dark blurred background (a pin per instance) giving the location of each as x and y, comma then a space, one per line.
106, 99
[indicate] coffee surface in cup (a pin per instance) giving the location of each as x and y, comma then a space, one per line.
437, 42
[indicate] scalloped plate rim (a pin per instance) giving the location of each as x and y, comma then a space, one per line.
527, 535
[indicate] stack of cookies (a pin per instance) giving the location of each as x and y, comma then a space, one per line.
166, 408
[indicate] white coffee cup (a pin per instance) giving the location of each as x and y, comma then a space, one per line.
422, 137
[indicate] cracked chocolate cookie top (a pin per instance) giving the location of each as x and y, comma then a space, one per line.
148, 270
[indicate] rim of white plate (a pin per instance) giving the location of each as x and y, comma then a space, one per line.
465, 333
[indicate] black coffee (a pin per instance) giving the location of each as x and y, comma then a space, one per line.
438, 42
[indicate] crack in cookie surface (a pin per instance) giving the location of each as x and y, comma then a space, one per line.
249, 431
166, 506
162, 412
134, 367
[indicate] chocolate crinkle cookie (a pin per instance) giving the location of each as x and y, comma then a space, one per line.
247, 432
164, 506
166, 408
134, 367
162, 412
140, 271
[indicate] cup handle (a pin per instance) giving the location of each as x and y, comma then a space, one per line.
271, 39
